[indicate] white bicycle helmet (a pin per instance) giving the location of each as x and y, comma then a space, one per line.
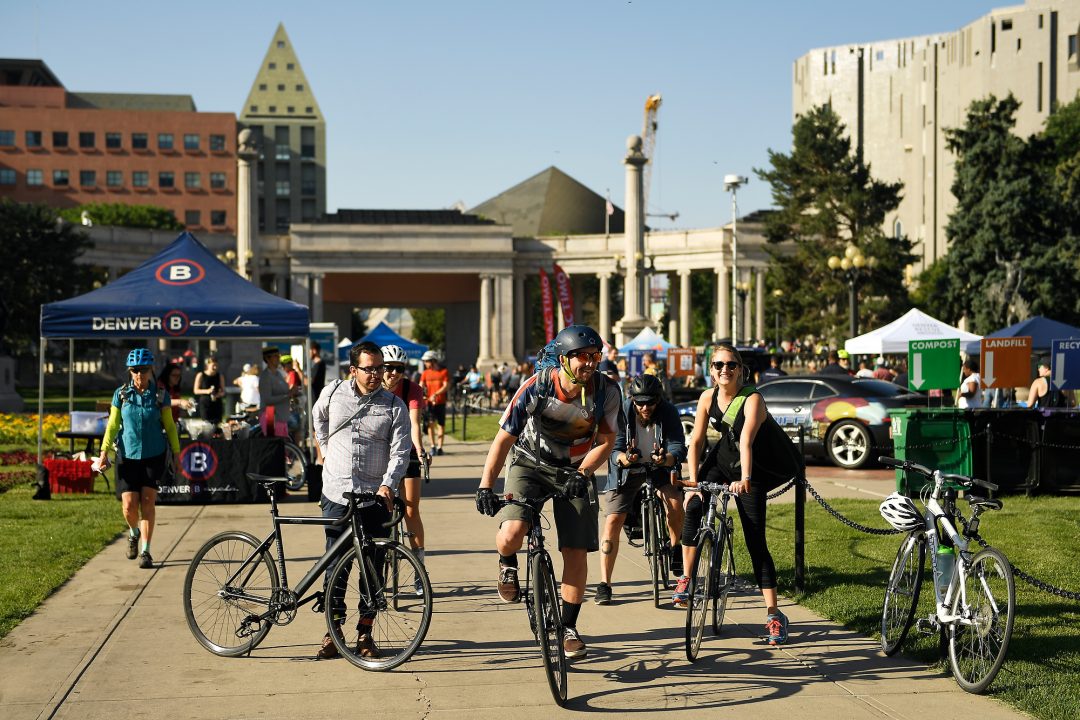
900, 512
430, 355
394, 354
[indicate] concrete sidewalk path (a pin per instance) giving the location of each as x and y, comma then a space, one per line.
113, 643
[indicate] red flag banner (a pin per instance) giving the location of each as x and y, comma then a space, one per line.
566, 296
548, 303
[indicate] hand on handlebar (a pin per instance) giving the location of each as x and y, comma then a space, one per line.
659, 456
486, 502
387, 496
577, 485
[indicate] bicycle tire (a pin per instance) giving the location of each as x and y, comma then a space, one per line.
725, 575
549, 627
663, 545
902, 593
296, 463
394, 565
977, 651
215, 613
697, 604
651, 541
397, 628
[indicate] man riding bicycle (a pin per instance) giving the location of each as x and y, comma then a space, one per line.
561, 417
652, 433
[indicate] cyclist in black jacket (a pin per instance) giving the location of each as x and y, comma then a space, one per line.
651, 433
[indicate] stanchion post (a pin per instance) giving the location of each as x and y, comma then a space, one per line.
465, 416
800, 522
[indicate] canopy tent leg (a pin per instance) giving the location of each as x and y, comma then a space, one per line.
40, 394
71, 376
307, 393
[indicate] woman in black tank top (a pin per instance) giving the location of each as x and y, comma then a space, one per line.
754, 456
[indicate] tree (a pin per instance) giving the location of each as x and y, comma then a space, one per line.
429, 326
40, 267
1005, 259
121, 215
826, 198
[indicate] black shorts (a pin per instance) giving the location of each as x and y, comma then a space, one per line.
438, 413
134, 475
413, 471
620, 500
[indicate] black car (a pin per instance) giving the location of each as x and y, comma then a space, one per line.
845, 420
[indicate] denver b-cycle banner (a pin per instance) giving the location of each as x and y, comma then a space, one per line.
215, 471
548, 304
566, 296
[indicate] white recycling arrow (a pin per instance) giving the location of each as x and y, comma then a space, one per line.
988, 368
917, 379
1059, 370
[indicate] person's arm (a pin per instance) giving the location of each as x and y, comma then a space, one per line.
754, 416
697, 437
417, 437
170, 430
400, 447
599, 454
112, 429
1033, 393
320, 415
674, 437
496, 458
199, 389
968, 383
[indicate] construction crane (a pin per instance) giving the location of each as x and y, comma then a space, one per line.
648, 146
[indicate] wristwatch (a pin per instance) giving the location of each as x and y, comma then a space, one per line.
747, 478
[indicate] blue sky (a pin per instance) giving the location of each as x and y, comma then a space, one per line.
431, 103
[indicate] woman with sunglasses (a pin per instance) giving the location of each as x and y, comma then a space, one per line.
754, 456
394, 380
140, 410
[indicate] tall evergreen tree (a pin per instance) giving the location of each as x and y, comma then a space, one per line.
827, 198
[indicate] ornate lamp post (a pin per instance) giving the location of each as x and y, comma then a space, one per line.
777, 294
854, 266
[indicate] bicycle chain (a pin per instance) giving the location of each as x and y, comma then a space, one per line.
1034, 581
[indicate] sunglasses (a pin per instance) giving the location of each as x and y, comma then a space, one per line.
585, 355
646, 403
730, 365
395, 369
140, 369
372, 369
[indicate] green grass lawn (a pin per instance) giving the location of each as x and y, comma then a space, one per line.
846, 572
56, 400
479, 427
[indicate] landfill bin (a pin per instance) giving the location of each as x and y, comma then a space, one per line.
1059, 453
1005, 448
939, 438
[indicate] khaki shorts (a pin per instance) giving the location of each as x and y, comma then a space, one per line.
575, 520
620, 500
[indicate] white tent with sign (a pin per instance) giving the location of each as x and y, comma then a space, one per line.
894, 337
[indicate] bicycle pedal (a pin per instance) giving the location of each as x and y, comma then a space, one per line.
317, 606
926, 626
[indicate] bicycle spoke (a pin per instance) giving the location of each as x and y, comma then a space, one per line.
902, 593
987, 605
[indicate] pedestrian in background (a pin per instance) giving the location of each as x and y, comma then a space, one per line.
210, 391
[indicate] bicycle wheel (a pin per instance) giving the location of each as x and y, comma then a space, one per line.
295, 466
697, 605
226, 586
651, 541
394, 566
987, 603
374, 627
549, 627
902, 592
724, 580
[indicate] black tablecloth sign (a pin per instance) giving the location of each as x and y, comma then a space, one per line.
215, 471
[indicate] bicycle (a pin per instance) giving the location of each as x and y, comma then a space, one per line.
400, 534
235, 590
296, 460
712, 574
975, 600
542, 604
655, 538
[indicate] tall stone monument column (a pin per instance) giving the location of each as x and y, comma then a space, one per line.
634, 296
246, 153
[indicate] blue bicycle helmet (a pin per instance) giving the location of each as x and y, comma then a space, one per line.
139, 357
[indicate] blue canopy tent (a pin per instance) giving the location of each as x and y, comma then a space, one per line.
647, 339
383, 334
1042, 330
182, 292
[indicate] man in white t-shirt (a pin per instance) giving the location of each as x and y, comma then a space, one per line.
970, 394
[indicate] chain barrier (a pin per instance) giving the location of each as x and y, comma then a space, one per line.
1034, 581
847, 521
781, 490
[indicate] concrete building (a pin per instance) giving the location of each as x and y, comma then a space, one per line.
290, 133
897, 97
67, 148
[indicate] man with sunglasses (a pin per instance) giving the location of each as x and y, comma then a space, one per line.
652, 430
362, 432
561, 417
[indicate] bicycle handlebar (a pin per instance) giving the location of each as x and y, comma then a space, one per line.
714, 488
926, 472
359, 497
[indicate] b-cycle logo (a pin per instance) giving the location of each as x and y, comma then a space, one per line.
198, 461
175, 322
180, 272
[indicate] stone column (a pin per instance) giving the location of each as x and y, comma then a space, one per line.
519, 316
300, 288
634, 299
684, 309
502, 345
745, 321
605, 306
246, 152
723, 303
486, 309
759, 305
316, 290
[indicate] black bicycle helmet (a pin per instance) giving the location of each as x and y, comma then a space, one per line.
576, 337
645, 387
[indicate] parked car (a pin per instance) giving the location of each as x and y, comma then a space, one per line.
845, 420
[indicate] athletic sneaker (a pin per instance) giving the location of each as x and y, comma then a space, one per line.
418, 586
145, 561
572, 645
776, 625
509, 589
602, 596
682, 591
133, 546
438, 451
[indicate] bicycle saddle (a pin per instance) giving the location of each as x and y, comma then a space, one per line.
265, 479
976, 501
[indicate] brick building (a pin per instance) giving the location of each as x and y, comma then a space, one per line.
67, 148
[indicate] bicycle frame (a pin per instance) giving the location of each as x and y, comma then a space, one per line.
936, 513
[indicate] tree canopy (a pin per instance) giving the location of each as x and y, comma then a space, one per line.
826, 199
121, 215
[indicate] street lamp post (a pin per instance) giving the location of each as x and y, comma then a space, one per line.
731, 184
742, 289
777, 294
853, 266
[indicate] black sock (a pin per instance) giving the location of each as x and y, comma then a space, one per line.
508, 560
569, 613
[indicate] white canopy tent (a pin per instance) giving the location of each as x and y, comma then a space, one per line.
894, 337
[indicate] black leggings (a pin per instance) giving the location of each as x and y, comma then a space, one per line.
752, 513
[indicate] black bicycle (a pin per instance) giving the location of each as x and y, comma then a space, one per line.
236, 590
713, 573
542, 599
655, 538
